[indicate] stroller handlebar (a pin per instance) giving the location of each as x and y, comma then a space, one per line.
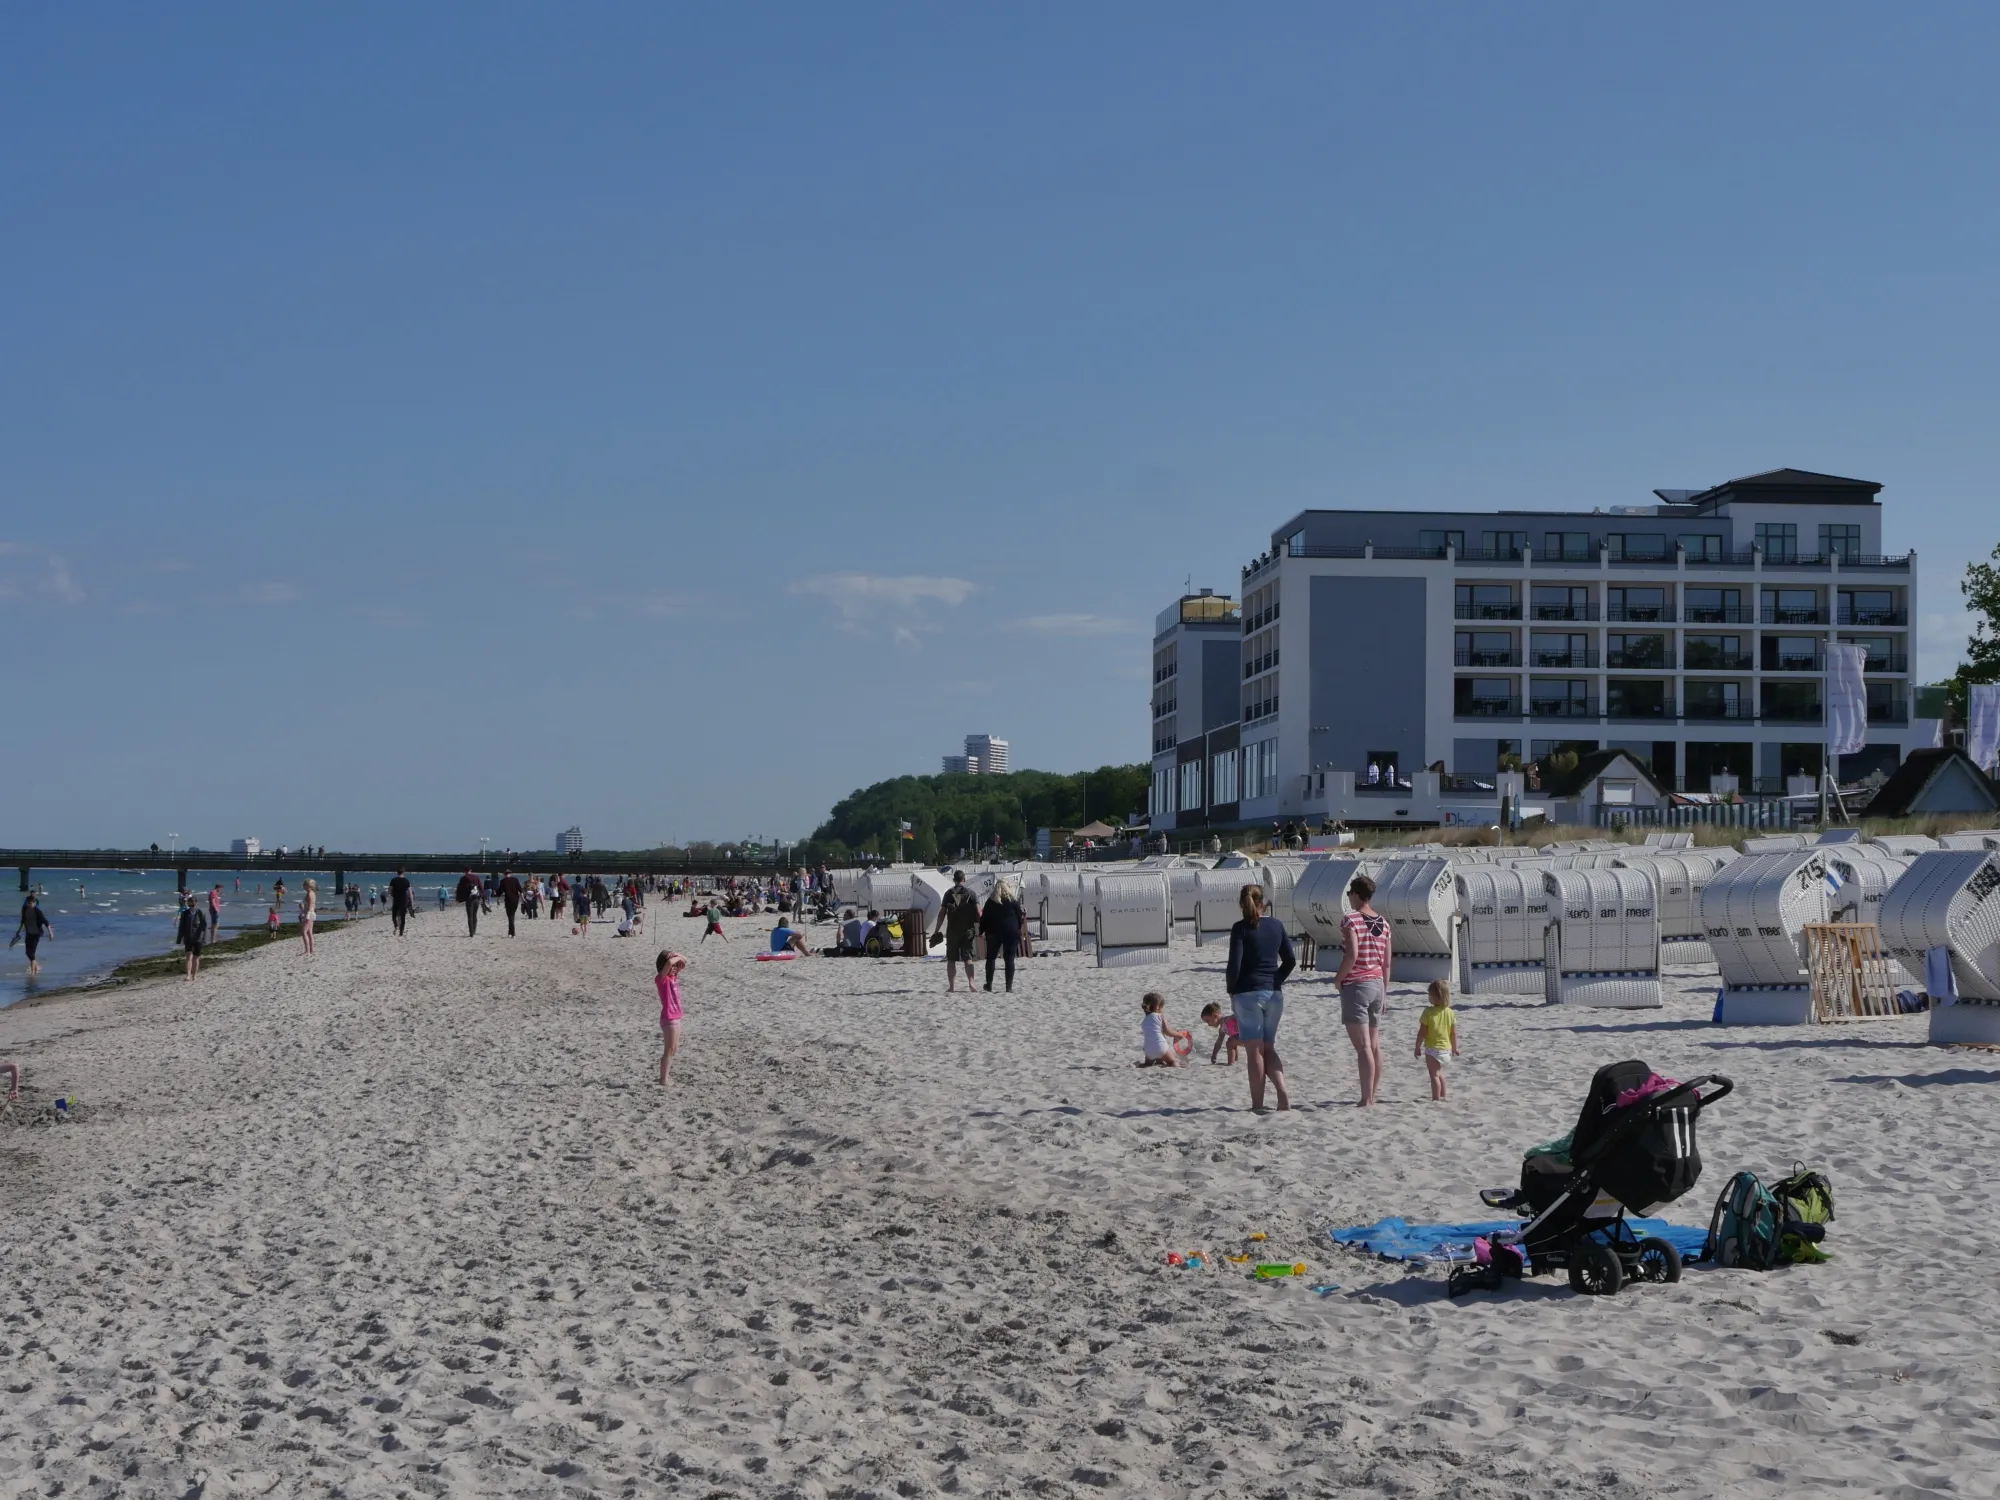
1635, 1117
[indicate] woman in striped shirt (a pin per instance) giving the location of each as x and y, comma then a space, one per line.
1364, 982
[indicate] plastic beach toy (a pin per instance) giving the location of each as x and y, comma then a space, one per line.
1269, 1271
1183, 1043
1259, 1235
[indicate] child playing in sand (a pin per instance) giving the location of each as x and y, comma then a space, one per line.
1154, 1034
667, 980
714, 928
1437, 1035
1225, 1031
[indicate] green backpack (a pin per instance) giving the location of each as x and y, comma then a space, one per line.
1807, 1199
1746, 1226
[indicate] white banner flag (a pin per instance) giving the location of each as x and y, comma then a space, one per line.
1846, 699
1982, 724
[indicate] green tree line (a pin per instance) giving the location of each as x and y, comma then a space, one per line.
949, 815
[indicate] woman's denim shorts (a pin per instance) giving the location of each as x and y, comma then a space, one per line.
1258, 1013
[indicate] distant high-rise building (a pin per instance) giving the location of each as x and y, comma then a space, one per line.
985, 755
570, 841
959, 765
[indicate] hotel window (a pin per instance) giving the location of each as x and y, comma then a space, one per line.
1779, 540
1868, 607
1700, 547
1508, 544
1433, 543
1163, 791
1638, 546
1547, 649
1570, 546
1560, 698
1486, 601
1637, 604
1641, 651
1843, 542
1191, 785
1552, 602
1715, 606
1485, 648
1714, 653
1222, 777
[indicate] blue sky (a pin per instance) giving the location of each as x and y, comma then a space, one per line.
420, 423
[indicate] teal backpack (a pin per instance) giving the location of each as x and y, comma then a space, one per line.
1747, 1226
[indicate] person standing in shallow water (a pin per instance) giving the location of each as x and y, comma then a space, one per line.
35, 925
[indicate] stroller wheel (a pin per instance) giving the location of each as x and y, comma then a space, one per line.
1658, 1260
1594, 1270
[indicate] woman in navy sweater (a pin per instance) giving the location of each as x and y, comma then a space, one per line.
1260, 960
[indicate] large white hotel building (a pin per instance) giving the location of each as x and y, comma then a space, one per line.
1691, 632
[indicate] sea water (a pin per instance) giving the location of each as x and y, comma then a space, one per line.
104, 918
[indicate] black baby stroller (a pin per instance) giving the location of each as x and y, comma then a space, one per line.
1633, 1148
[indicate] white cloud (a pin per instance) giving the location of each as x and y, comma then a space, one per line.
61, 584
1075, 625
274, 592
902, 603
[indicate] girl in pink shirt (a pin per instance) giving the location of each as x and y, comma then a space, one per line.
667, 980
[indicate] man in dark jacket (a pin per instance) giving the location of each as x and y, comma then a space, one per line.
470, 895
193, 931
958, 920
400, 900
510, 897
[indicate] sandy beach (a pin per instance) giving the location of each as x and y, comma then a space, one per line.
412, 1218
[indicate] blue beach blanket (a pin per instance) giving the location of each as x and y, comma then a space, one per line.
1399, 1239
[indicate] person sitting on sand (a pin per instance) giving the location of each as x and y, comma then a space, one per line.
785, 939
1154, 1033
1225, 1032
853, 933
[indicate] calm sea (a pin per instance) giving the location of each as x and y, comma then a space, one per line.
105, 917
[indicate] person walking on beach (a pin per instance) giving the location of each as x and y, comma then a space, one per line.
399, 901
958, 920
193, 928
469, 895
510, 897
35, 925
1260, 960
1365, 963
1002, 922
215, 912
308, 911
